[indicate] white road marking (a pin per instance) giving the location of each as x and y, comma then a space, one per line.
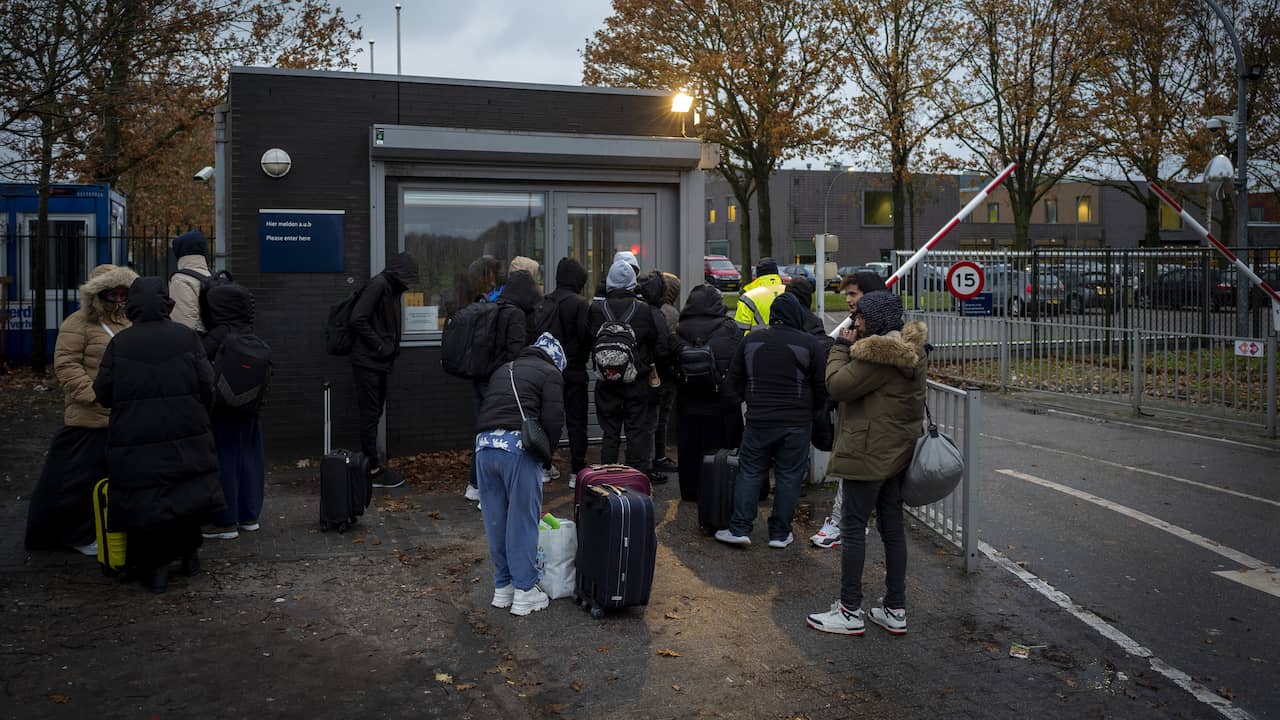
1126, 643
1265, 579
1110, 421
1131, 468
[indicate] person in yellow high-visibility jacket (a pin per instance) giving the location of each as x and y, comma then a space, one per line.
757, 296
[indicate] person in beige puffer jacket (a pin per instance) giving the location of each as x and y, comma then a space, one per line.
61, 511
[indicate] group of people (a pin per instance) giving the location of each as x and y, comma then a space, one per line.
136, 365
757, 378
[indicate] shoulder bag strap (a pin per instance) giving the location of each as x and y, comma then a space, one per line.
511, 371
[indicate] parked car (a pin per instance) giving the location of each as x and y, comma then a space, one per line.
885, 269
804, 271
1175, 288
1087, 289
718, 271
1223, 295
1013, 292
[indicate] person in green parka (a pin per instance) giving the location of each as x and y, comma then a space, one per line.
877, 372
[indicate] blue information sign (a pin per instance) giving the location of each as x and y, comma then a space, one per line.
979, 306
301, 241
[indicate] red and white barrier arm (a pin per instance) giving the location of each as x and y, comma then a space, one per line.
1240, 265
964, 212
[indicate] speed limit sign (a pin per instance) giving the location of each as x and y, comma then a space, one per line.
965, 280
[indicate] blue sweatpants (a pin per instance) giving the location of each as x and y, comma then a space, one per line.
510, 500
242, 467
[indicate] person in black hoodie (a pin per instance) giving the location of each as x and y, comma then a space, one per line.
160, 448
510, 478
378, 322
812, 324
709, 417
623, 404
778, 371
568, 324
242, 468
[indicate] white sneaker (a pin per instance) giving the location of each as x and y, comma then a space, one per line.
473, 493
527, 601
250, 527
553, 473
895, 621
839, 620
90, 549
725, 536
546, 476
781, 543
828, 536
503, 596
573, 480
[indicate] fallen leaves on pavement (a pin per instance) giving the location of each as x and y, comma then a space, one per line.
444, 677
667, 652
437, 473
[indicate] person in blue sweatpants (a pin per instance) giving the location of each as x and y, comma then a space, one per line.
509, 477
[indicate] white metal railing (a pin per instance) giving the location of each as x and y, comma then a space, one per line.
958, 413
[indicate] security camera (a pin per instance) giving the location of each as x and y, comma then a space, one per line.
204, 174
1213, 124
1218, 123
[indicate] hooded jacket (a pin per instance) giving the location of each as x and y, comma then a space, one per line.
879, 382
541, 390
160, 447
570, 324
82, 339
803, 290
229, 309
516, 304
778, 370
653, 341
756, 300
377, 317
705, 321
192, 250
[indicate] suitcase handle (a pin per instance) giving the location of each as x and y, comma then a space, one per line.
327, 428
610, 467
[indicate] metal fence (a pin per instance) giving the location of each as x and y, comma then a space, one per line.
958, 413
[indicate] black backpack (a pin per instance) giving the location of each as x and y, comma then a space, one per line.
698, 366
613, 354
339, 338
546, 318
241, 372
469, 345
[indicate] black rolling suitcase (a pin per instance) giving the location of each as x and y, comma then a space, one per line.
617, 547
345, 487
715, 489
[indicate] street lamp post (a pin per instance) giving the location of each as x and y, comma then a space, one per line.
370, 56
820, 248
1242, 164
397, 38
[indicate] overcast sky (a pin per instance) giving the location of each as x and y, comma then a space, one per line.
512, 40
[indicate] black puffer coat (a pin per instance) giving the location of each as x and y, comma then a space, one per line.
541, 391
159, 387
778, 370
377, 317
812, 324
705, 321
516, 304
570, 326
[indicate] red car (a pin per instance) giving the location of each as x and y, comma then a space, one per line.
718, 271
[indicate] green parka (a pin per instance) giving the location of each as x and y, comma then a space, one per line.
879, 382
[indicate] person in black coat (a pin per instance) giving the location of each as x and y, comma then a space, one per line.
709, 417
242, 469
510, 478
623, 405
377, 319
160, 447
811, 323
569, 326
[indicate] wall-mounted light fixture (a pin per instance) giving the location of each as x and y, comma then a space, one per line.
681, 103
276, 163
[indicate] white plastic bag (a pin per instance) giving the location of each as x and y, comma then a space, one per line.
557, 547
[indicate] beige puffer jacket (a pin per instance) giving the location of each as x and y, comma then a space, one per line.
81, 341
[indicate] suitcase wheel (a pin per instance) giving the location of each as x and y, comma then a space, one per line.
597, 613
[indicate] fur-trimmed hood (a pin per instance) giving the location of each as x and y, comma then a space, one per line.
104, 277
903, 349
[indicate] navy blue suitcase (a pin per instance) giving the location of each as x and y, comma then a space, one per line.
617, 548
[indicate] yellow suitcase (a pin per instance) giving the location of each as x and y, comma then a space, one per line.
111, 545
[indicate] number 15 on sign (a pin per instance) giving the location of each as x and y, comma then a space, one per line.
965, 280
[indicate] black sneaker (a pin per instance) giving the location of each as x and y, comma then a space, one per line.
657, 478
665, 464
190, 564
386, 479
157, 581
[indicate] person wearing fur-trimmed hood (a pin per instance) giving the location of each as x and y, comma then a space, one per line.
61, 511
877, 372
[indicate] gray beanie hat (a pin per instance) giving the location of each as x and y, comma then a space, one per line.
882, 311
621, 275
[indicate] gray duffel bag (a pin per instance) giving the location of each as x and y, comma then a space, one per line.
936, 467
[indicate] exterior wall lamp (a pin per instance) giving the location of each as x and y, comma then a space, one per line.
276, 163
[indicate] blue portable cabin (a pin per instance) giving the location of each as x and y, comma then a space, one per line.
86, 228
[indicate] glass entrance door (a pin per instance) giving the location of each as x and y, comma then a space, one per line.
594, 226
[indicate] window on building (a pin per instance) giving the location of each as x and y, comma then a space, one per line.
1169, 220
1255, 214
449, 230
1051, 212
993, 212
731, 213
711, 212
877, 207
1084, 209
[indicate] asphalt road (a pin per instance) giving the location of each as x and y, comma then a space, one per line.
1153, 531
